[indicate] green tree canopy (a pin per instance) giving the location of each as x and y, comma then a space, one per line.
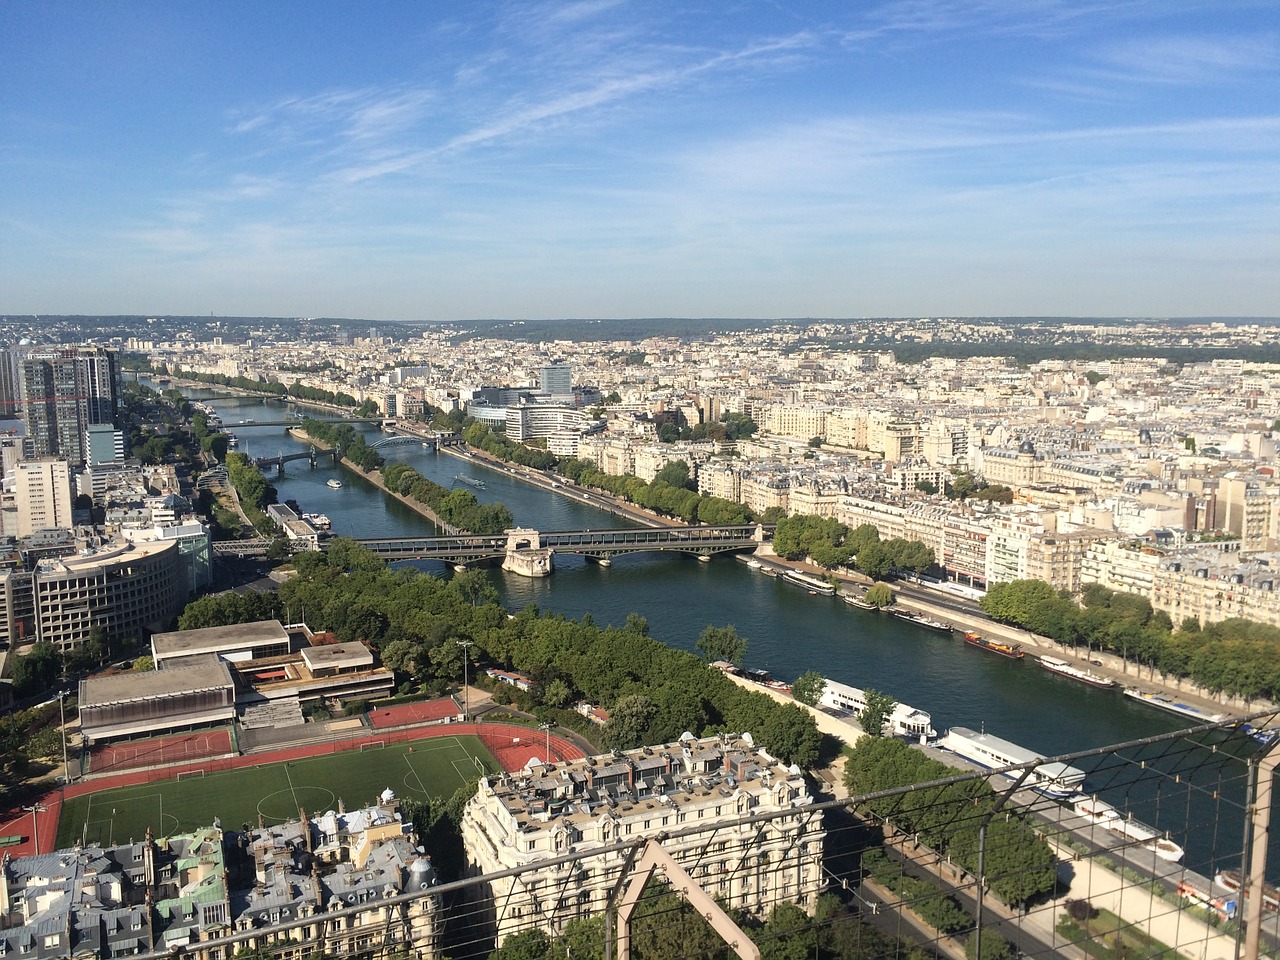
722, 643
808, 687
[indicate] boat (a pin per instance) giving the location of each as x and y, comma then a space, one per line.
1165, 702
1013, 651
1109, 818
1232, 880
986, 750
812, 584
317, 520
336, 484
469, 481
765, 679
920, 620
232, 440
903, 721
860, 602
1194, 892
1054, 665
753, 563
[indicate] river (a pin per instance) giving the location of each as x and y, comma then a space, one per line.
788, 630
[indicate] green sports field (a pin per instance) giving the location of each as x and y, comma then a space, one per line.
436, 767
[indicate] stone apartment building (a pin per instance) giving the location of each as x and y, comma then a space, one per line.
692, 790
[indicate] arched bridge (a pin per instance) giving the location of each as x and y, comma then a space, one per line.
603, 545
404, 440
311, 455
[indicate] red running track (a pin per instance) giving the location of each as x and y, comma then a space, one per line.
500, 738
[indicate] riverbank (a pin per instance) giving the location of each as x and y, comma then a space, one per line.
375, 477
911, 597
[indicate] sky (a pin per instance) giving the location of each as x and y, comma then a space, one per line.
600, 158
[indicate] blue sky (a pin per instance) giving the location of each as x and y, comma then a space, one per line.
454, 160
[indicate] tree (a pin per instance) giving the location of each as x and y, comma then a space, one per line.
629, 722
808, 687
875, 714
994, 947
37, 671
721, 643
881, 595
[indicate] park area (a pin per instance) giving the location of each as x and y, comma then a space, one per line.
275, 792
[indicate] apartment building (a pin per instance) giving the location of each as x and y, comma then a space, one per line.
692, 789
335, 879
42, 496
1205, 582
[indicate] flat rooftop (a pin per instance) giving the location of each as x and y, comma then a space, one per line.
149, 684
333, 656
235, 636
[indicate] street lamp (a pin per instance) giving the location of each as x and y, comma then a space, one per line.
466, 693
547, 727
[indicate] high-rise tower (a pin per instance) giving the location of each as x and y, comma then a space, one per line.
62, 393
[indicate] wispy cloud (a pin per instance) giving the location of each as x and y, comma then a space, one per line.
1186, 60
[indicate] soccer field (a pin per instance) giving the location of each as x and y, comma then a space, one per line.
436, 767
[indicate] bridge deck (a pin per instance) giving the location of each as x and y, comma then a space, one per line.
603, 543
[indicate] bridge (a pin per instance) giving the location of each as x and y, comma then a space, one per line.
311, 456
521, 548
296, 421
241, 548
404, 440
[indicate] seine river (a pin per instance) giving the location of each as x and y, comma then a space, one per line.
788, 631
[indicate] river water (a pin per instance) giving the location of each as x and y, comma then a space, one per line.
788, 631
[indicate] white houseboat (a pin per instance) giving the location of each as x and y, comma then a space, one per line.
986, 750
904, 721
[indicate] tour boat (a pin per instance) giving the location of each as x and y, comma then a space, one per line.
860, 602
1013, 651
986, 750
812, 584
1054, 665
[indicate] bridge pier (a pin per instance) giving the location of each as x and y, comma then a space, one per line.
525, 554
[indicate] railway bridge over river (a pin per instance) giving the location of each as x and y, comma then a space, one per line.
529, 552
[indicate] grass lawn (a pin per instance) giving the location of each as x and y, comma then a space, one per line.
436, 767
1107, 937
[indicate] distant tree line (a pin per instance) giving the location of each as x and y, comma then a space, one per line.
458, 507
346, 438
1237, 657
830, 543
272, 388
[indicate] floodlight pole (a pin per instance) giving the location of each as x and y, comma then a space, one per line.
547, 727
466, 693
35, 827
62, 713
1253, 879
982, 855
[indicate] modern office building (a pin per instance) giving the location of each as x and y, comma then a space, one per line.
556, 380
127, 589
691, 791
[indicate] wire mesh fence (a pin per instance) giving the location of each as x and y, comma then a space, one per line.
1151, 857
